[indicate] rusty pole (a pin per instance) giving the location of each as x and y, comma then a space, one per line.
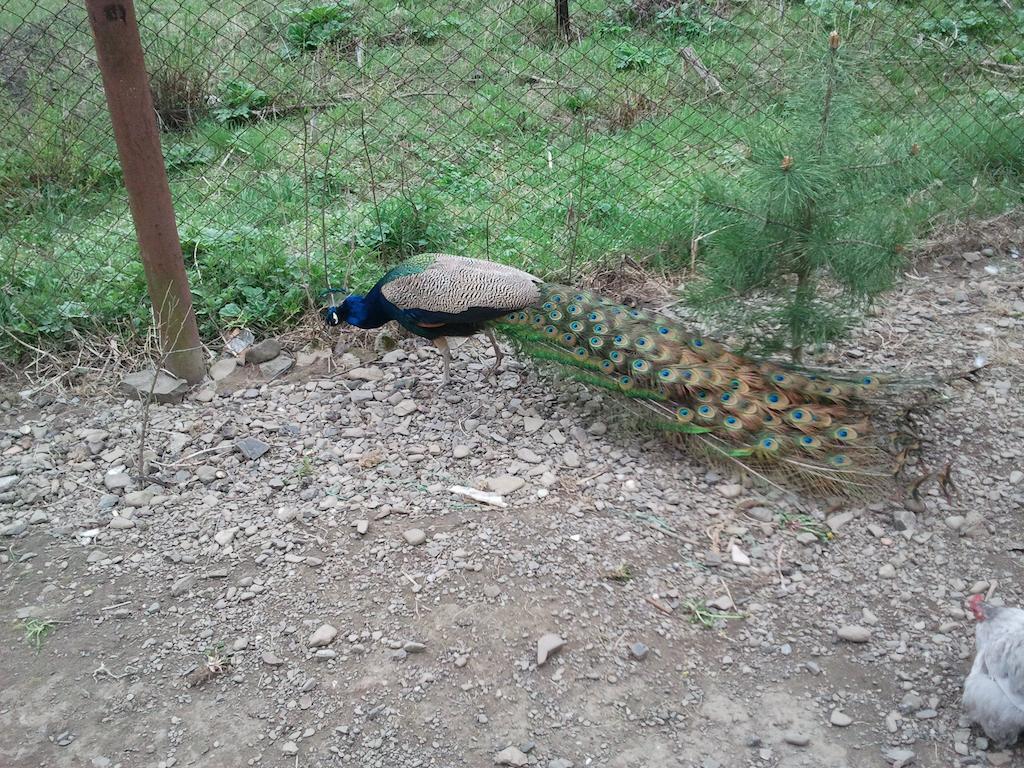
119, 52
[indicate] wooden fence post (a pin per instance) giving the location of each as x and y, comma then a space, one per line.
562, 19
119, 52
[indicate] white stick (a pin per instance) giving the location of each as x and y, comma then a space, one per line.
483, 497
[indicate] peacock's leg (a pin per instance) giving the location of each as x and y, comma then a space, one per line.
498, 356
446, 357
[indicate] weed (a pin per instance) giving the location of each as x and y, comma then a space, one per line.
238, 100
179, 83
305, 468
36, 631
406, 226
622, 574
800, 523
633, 57
319, 26
701, 613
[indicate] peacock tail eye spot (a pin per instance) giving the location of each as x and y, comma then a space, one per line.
663, 330
581, 352
634, 313
839, 460
568, 338
572, 309
688, 375
726, 397
798, 414
768, 444
779, 377
555, 315
557, 298
576, 326
684, 415
842, 434
641, 366
607, 365
596, 341
579, 297
769, 418
615, 356
698, 343
735, 384
773, 398
599, 328
867, 381
548, 306
807, 440
625, 382
665, 373
538, 318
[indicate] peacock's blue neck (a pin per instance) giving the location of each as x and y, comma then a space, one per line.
366, 311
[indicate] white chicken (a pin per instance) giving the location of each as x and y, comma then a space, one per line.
994, 690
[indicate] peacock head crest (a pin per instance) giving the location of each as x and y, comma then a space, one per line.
334, 313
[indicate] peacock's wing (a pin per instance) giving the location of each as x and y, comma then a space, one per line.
805, 430
439, 288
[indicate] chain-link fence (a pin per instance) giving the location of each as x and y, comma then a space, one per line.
552, 135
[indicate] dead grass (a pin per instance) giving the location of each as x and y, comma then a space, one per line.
1001, 233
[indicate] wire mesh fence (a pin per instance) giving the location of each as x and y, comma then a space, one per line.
314, 143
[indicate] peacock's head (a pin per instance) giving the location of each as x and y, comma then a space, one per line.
354, 310
334, 313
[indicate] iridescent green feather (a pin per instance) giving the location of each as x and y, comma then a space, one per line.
782, 424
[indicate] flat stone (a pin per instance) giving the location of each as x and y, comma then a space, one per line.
271, 660
275, 367
414, 536
528, 455
7, 483
560, 762
224, 537
366, 374
460, 451
898, 756
290, 748
120, 523
251, 447
851, 633
887, 571
531, 424
904, 520
405, 408
412, 646
139, 498
505, 484
639, 651
266, 350
183, 585
840, 719
730, 490
223, 368
163, 387
116, 481
796, 738
14, 529
511, 756
547, 645
840, 519
323, 636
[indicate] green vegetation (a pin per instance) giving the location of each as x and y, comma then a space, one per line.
36, 631
467, 126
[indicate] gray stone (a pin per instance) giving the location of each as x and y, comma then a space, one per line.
15, 528
898, 756
1016, 477
224, 537
547, 645
6, 483
511, 756
505, 484
266, 350
560, 762
271, 660
223, 368
414, 536
796, 738
182, 585
107, 501
638, 651
528, 455
904, 520
887, 571
460, 451
276, 367
120, 523
116, 481
366, 374
251, 447
323, 636
405, 407
730, 490
840, 719
290, 748
851, 633
414, 647
38, 517
139, 498
164, 387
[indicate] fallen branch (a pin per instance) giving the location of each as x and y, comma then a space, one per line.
707, 77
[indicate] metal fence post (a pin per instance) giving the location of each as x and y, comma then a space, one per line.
119, 52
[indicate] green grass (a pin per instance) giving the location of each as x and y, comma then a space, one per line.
469, 127
36, 631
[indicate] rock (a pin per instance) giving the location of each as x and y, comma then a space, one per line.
511, 756
366, 374
840, 719
362, 526
546, 646
492, 590
116, 481
738, 556
460, 451
223, 368
571, 459
290, 748
505, 484
120, 523
1016, 477
183, 585
7, 483
904, 520
796, 738
323, 636
638, 651
139, 498
276, 367
851, 633
413, 647
560, 762
887, 571
531, 424
14, 529
271, 660
405, 407
414, 536
722, 603
224, 537
837, 521
730, 490
899, 757
598, 428
528, 455
251, 447
163, 387
266, 350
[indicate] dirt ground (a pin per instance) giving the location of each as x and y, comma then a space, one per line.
332, 602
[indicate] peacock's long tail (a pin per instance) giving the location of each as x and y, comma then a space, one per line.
790, 428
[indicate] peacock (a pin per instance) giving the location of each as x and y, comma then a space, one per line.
785, 425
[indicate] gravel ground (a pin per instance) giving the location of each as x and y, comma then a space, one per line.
303, 589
